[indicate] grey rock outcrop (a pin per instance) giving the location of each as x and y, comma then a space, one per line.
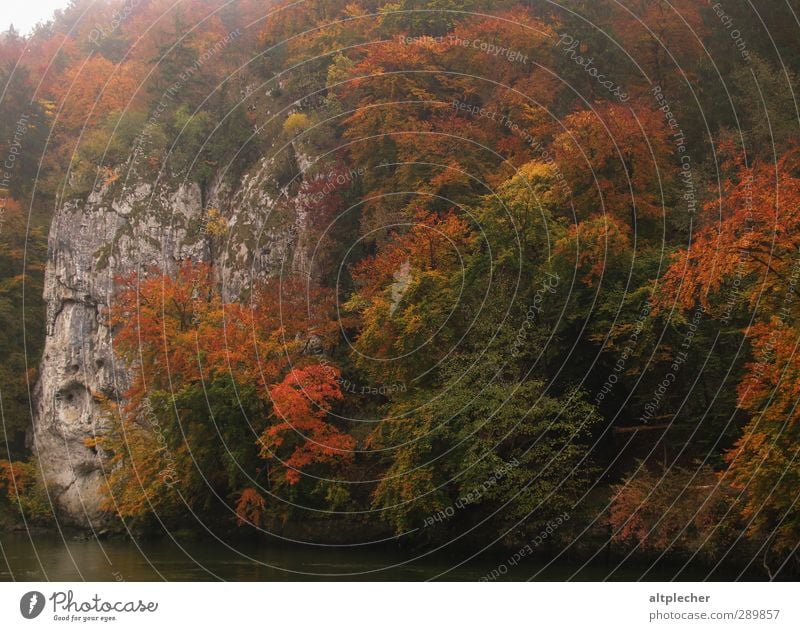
119, 229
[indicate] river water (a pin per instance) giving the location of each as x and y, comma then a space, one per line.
40, 557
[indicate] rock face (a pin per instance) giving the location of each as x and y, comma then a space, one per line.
119, 229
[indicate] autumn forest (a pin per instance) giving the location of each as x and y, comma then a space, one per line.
443, 274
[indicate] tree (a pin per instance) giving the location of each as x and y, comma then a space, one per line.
405, 295
22, 326
23, 129
494, 449
22, 484
301, 403
747, 236
662, 36
617, 160
95, 89
764, 463
748, 257
247, 375
685, 510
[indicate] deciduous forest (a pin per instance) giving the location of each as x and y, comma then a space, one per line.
541, 273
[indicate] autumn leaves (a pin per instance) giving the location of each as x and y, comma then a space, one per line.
527, 234
184, 345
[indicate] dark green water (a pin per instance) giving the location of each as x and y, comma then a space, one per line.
51, 557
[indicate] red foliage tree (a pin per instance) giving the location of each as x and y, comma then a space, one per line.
302, 402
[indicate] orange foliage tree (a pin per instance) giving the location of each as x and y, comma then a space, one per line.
747, 254
617, 160
302, 402
253, 373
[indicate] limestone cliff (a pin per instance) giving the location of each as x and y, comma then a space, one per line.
118, 229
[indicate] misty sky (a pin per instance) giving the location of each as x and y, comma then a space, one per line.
24, 14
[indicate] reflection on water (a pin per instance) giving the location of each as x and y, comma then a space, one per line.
51, 557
